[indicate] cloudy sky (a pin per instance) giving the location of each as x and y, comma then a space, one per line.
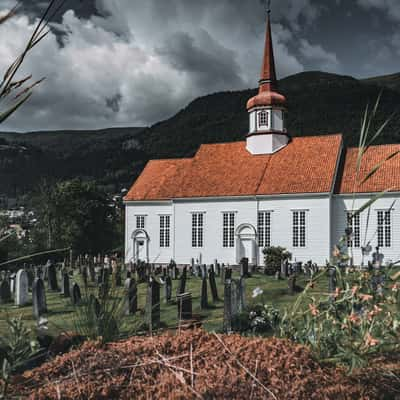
135, 62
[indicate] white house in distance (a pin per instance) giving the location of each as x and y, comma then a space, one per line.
231, 200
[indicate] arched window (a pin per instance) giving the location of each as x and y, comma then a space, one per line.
263, 118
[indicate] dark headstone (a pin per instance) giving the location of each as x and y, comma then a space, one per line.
5, 292
52, 277
227, 323
131, 292
331, 279
38, 298
184, 306
168, 289
244, 267
92, 273
85, 276
65, 288
76, 297
153, 304
241, 294
182, 284
213, 285
204, 297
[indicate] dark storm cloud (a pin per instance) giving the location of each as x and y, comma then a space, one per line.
134, 62
203, 58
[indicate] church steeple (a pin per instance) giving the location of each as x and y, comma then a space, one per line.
267, 133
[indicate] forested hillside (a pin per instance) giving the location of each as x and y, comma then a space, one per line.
318, 104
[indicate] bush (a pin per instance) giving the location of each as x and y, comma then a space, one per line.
273, 256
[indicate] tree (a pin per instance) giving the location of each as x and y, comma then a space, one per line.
75, 214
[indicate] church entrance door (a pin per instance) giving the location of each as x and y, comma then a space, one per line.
246, 243
140, 245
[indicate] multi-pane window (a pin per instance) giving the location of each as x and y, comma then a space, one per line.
139, 221
165, 229
263, 118
353, 222
264, 229
299, 229
228, 230
197, 229
384, 228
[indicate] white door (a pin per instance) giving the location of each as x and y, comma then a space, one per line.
247, 249
141, 250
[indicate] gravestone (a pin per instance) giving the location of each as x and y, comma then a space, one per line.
85, 276
231, 306
222, 275
184, 306
204, 271
213, 285
332, 280
168, 289
52, 277
38, 298
5, 292
204, 297
277, 275
218, 269
244, 267
21, 288
242, 294
92, 273
284, 268
182, 283
131, 293
31, 277
228, 273
65, 287
153, 303
76, 297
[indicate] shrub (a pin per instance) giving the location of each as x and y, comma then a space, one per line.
16, 348
273, 256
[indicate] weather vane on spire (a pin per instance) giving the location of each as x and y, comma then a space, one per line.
268, 6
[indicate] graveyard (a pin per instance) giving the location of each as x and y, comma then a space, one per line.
167, 322
61, 313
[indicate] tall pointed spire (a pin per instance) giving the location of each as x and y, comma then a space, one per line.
267, 127
268, 74
267, 92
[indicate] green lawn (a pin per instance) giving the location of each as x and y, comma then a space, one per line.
62, 315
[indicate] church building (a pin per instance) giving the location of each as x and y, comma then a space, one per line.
232, 200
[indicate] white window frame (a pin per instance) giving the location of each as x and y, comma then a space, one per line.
263, 118
299, 228
384, 228
264, 228
165, 230
197, 229
354, 222
140, 221
228, 229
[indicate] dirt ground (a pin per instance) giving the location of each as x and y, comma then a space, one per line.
199, 365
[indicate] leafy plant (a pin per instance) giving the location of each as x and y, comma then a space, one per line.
274, 255
15, 350
101, 318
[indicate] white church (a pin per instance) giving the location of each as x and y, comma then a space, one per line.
231, 200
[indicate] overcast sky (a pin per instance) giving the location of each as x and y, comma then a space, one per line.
135, 62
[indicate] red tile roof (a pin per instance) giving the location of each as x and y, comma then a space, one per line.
305, 165
387, 177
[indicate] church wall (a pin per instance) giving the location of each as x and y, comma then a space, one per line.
368, 224
152, 212
245, 212
317, 225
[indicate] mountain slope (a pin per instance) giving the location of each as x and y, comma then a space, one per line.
318, 103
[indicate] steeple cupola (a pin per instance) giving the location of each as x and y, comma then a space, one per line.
267, 133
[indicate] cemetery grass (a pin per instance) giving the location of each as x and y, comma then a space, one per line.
62, 314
